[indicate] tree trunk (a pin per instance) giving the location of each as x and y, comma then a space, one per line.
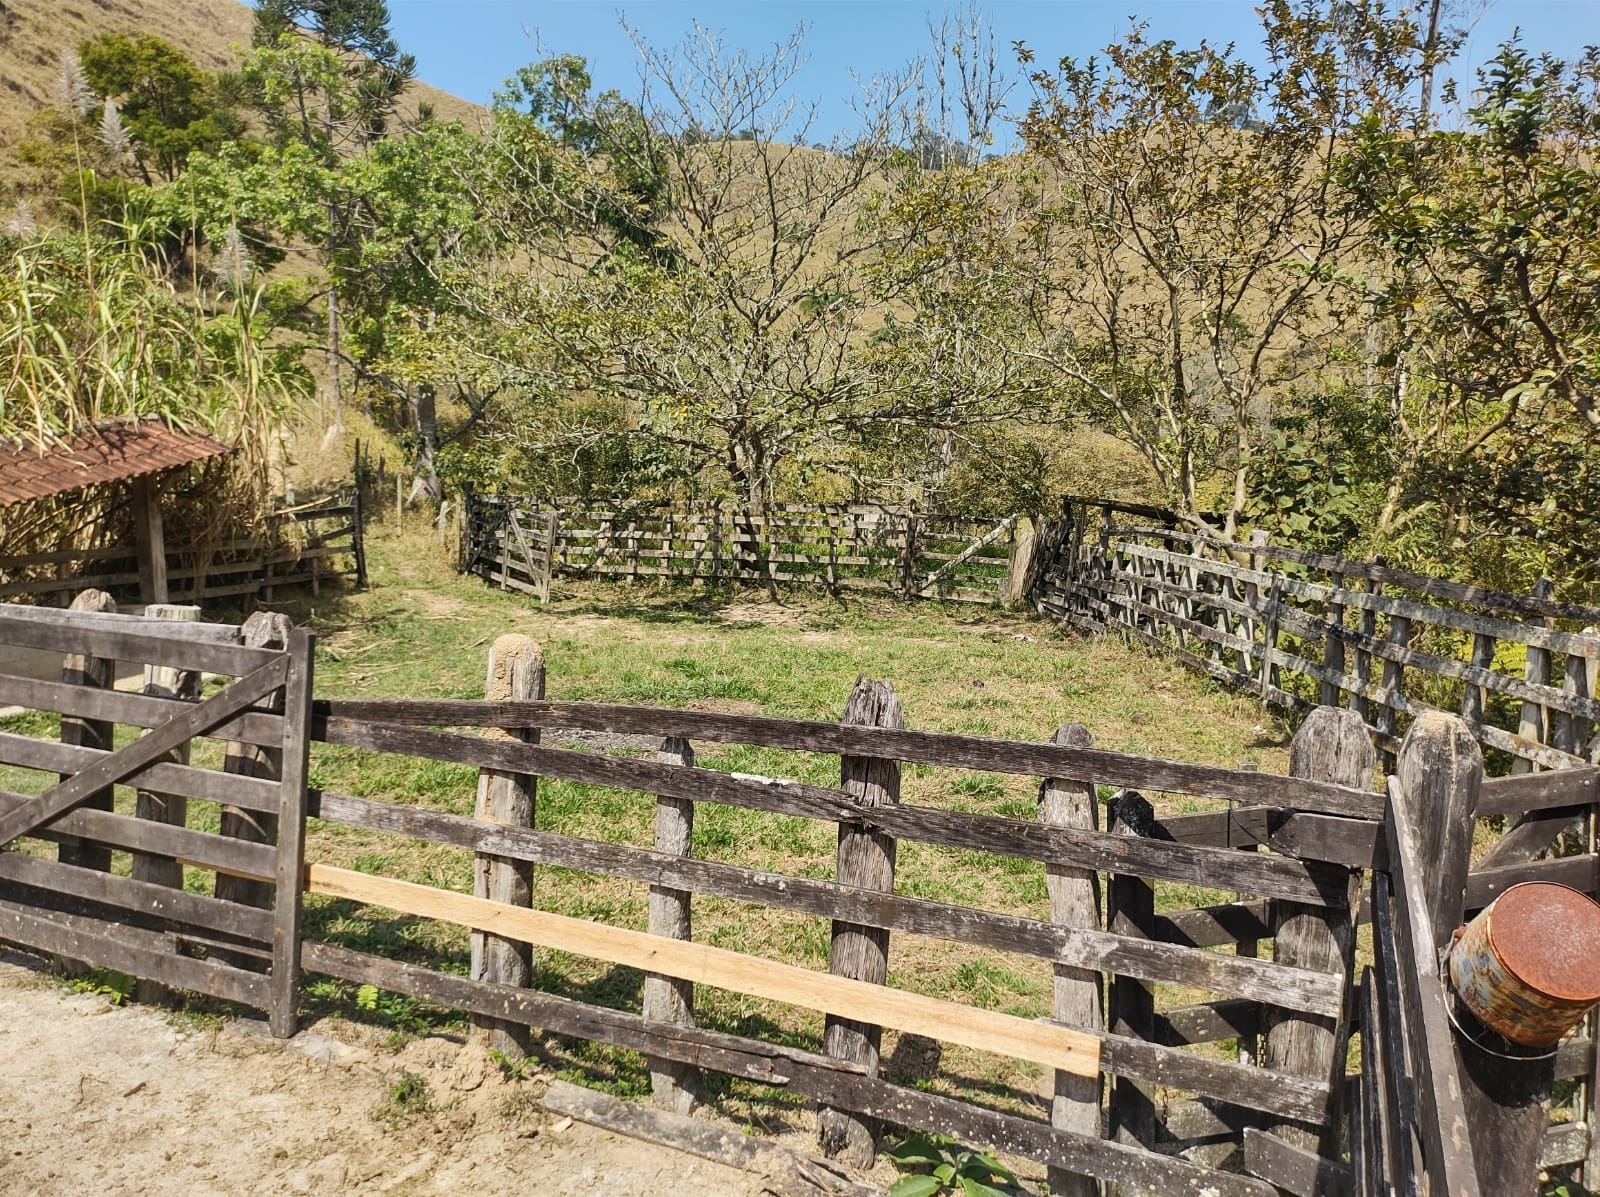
425, 473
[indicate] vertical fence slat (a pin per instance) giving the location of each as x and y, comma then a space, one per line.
283, 1017
1359, 702
1472, 696
866, 859
166, 682
263, 629
100, 673
1332, 646
1130, 909
515, 674
1333, 745
1074, 902
1534, 723
673, 1085
1394, 675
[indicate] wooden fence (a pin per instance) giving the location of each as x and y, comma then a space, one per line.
306, 545
519, 544
1304, 629
1160, 1055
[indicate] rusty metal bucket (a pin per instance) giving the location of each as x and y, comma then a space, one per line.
1528, 967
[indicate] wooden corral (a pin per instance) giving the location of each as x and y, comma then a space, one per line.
521, 544
1136, 1107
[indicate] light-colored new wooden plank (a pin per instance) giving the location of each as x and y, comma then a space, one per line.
985, 1030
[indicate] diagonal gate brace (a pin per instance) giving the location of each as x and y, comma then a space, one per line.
195, 721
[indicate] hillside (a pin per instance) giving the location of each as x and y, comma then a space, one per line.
33, 33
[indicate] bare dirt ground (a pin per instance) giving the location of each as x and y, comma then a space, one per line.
113, 1100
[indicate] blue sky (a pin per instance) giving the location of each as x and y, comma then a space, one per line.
468, 46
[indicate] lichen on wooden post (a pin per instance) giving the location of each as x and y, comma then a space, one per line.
1333, 745
1077, 1000
866, 860
516, 674
673, 1085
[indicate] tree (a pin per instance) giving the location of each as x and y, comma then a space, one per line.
328, 75
1488, 240
169, 106
1189, 234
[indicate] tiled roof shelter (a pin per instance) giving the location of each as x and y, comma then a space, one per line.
137, 451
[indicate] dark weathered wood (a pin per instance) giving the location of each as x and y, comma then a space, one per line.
1208, 1022
1214, 926
1294, 1169
262, 629
163, 681
1130, 1003
673, 1086
1086, 949
783, 1172
142, 954
290, 858
1249, 873
100, 673
515, 673
1539, 791
1431, 817
1392, 1044
1332, 745
1351, 842
1077, 1000
189, 780
922, 747
866, 861
150, 537
1530, 838
193, 721
213, 648
820, 1078
1332, 647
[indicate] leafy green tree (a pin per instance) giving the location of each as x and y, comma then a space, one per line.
1487, 238
169, 106
1188, 236
327, 75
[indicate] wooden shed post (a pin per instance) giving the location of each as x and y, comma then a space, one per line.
263, 629
99, 672
866, 860
1332, 745
516, 674
150, 537
673, 1085
1074, 902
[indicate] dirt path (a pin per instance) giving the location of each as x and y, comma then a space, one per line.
116, 1100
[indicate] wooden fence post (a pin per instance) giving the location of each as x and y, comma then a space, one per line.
1359, 702
283, 1018
1332, 745
673, 1085
516, 674
1332, 646
1074, 902
1535, 721
866, 860
99, 672
263, 629
163, 681
1130, 1008
1394, 681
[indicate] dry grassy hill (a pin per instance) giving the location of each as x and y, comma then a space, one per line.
33, 33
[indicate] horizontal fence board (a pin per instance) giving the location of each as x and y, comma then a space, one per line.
1539, 791
129, 950
1278, 877
248, 793
807, 1074
131, 638
1055, 1047
140, 710
1264, 981
174, 905
919, 747
218, 853
1215, 926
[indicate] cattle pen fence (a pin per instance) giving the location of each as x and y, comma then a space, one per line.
1201, 979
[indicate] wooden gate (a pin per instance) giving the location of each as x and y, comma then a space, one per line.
240, 943
952, 570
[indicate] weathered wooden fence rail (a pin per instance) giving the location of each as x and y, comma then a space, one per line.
1303, 629
519, 544
310, 544
1162, 1054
